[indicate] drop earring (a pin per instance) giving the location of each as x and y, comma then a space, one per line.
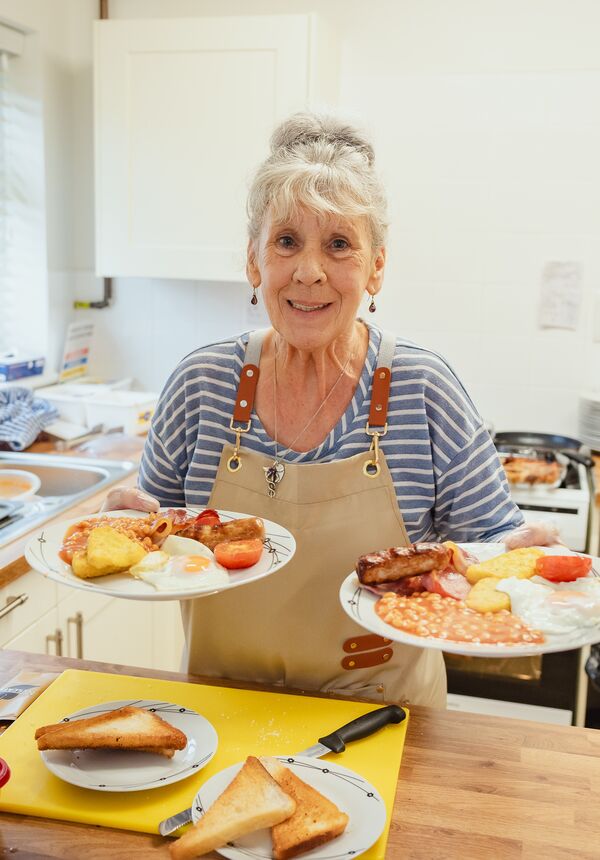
254, 299
372, 306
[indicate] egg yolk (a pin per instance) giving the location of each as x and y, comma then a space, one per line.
195, 564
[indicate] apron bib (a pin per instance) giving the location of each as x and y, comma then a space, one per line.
289, 629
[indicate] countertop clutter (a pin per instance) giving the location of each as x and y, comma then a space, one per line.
469, 787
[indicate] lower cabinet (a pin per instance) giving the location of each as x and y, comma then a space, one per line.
42, 637
114, 630
89, 626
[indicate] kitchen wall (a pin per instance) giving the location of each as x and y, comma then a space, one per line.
484, 116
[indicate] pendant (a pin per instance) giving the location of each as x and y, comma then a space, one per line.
273, 475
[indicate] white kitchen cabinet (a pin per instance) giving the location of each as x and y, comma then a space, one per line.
44, 636
119, 632
114, 630
23, 602
184, 109
55, 619
168, 639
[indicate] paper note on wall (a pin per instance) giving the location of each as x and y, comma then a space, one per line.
76, 354
561, 294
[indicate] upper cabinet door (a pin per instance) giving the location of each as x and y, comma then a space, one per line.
184, 109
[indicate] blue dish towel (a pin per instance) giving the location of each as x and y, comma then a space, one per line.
23, 416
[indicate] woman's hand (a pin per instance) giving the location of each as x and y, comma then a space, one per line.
533, 534
129, 499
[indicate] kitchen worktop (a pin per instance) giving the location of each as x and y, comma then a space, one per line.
470, 786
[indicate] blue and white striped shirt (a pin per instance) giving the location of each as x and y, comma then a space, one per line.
448, 479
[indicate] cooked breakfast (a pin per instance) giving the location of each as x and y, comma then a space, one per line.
515, 598
529, 470
264, 793
171, 549
128, 728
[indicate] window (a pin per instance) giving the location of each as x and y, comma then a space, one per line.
23, 269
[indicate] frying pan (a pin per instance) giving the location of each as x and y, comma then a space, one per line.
545, 442
556, 456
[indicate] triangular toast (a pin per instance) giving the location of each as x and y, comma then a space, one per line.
251, 801
316, 820
127, 728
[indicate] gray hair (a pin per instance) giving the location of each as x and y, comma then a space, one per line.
324, 164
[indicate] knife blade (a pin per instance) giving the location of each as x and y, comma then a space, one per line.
336, 741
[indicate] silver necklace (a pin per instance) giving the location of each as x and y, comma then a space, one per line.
275, 473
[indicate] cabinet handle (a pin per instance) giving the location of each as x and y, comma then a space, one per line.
57, 638
77, 620
12, 603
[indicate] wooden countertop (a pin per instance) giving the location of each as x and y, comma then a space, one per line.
12, 563
470, 786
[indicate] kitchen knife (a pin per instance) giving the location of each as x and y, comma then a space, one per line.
335, 742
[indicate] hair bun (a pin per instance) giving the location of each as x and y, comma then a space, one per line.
306, 128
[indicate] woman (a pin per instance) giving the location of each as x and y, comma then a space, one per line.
321, 450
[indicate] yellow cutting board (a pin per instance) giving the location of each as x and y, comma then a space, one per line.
247, 723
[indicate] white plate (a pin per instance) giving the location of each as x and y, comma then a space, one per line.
118, 770
350, 792
359, 604
42, 550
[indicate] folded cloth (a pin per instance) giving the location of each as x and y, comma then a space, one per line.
23, 417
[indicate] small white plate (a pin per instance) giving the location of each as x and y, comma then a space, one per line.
119, 770
359, 604
42, 551
350, 792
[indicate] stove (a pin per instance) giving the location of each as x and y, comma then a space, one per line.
568, 506
552, 688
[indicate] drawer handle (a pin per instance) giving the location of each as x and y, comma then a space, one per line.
77, 620
57, 638
12, 603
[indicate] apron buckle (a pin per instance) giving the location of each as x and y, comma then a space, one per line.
234, 463
372, 468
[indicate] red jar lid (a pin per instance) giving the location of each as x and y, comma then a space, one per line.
4, 772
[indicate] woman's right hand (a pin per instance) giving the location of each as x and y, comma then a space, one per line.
129, 499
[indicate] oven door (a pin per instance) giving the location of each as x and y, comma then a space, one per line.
548, 681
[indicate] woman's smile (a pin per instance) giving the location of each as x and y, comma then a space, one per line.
308, 307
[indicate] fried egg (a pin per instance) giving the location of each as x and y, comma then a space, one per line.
181, 564
558, 608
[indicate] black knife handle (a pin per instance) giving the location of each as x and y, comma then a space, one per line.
363, 726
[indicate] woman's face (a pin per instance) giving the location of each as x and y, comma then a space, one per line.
313, 272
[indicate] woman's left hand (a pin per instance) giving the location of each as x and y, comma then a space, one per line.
533, 534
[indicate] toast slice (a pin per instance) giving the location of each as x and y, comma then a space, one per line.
127, 728
251, 801
316, 820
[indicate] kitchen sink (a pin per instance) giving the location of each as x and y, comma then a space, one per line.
65, 481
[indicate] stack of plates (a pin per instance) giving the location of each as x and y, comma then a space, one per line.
589, 419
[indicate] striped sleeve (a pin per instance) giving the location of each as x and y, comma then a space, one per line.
163, 469
158, 475
472, 499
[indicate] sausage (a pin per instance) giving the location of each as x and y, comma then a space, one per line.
245, 529
395, 563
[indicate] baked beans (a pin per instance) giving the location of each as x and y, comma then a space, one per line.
433, 616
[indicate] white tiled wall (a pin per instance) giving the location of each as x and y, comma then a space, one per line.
154, 323
487, 134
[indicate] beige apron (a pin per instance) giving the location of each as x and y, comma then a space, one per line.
290, 628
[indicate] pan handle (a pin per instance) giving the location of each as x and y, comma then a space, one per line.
578, 457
